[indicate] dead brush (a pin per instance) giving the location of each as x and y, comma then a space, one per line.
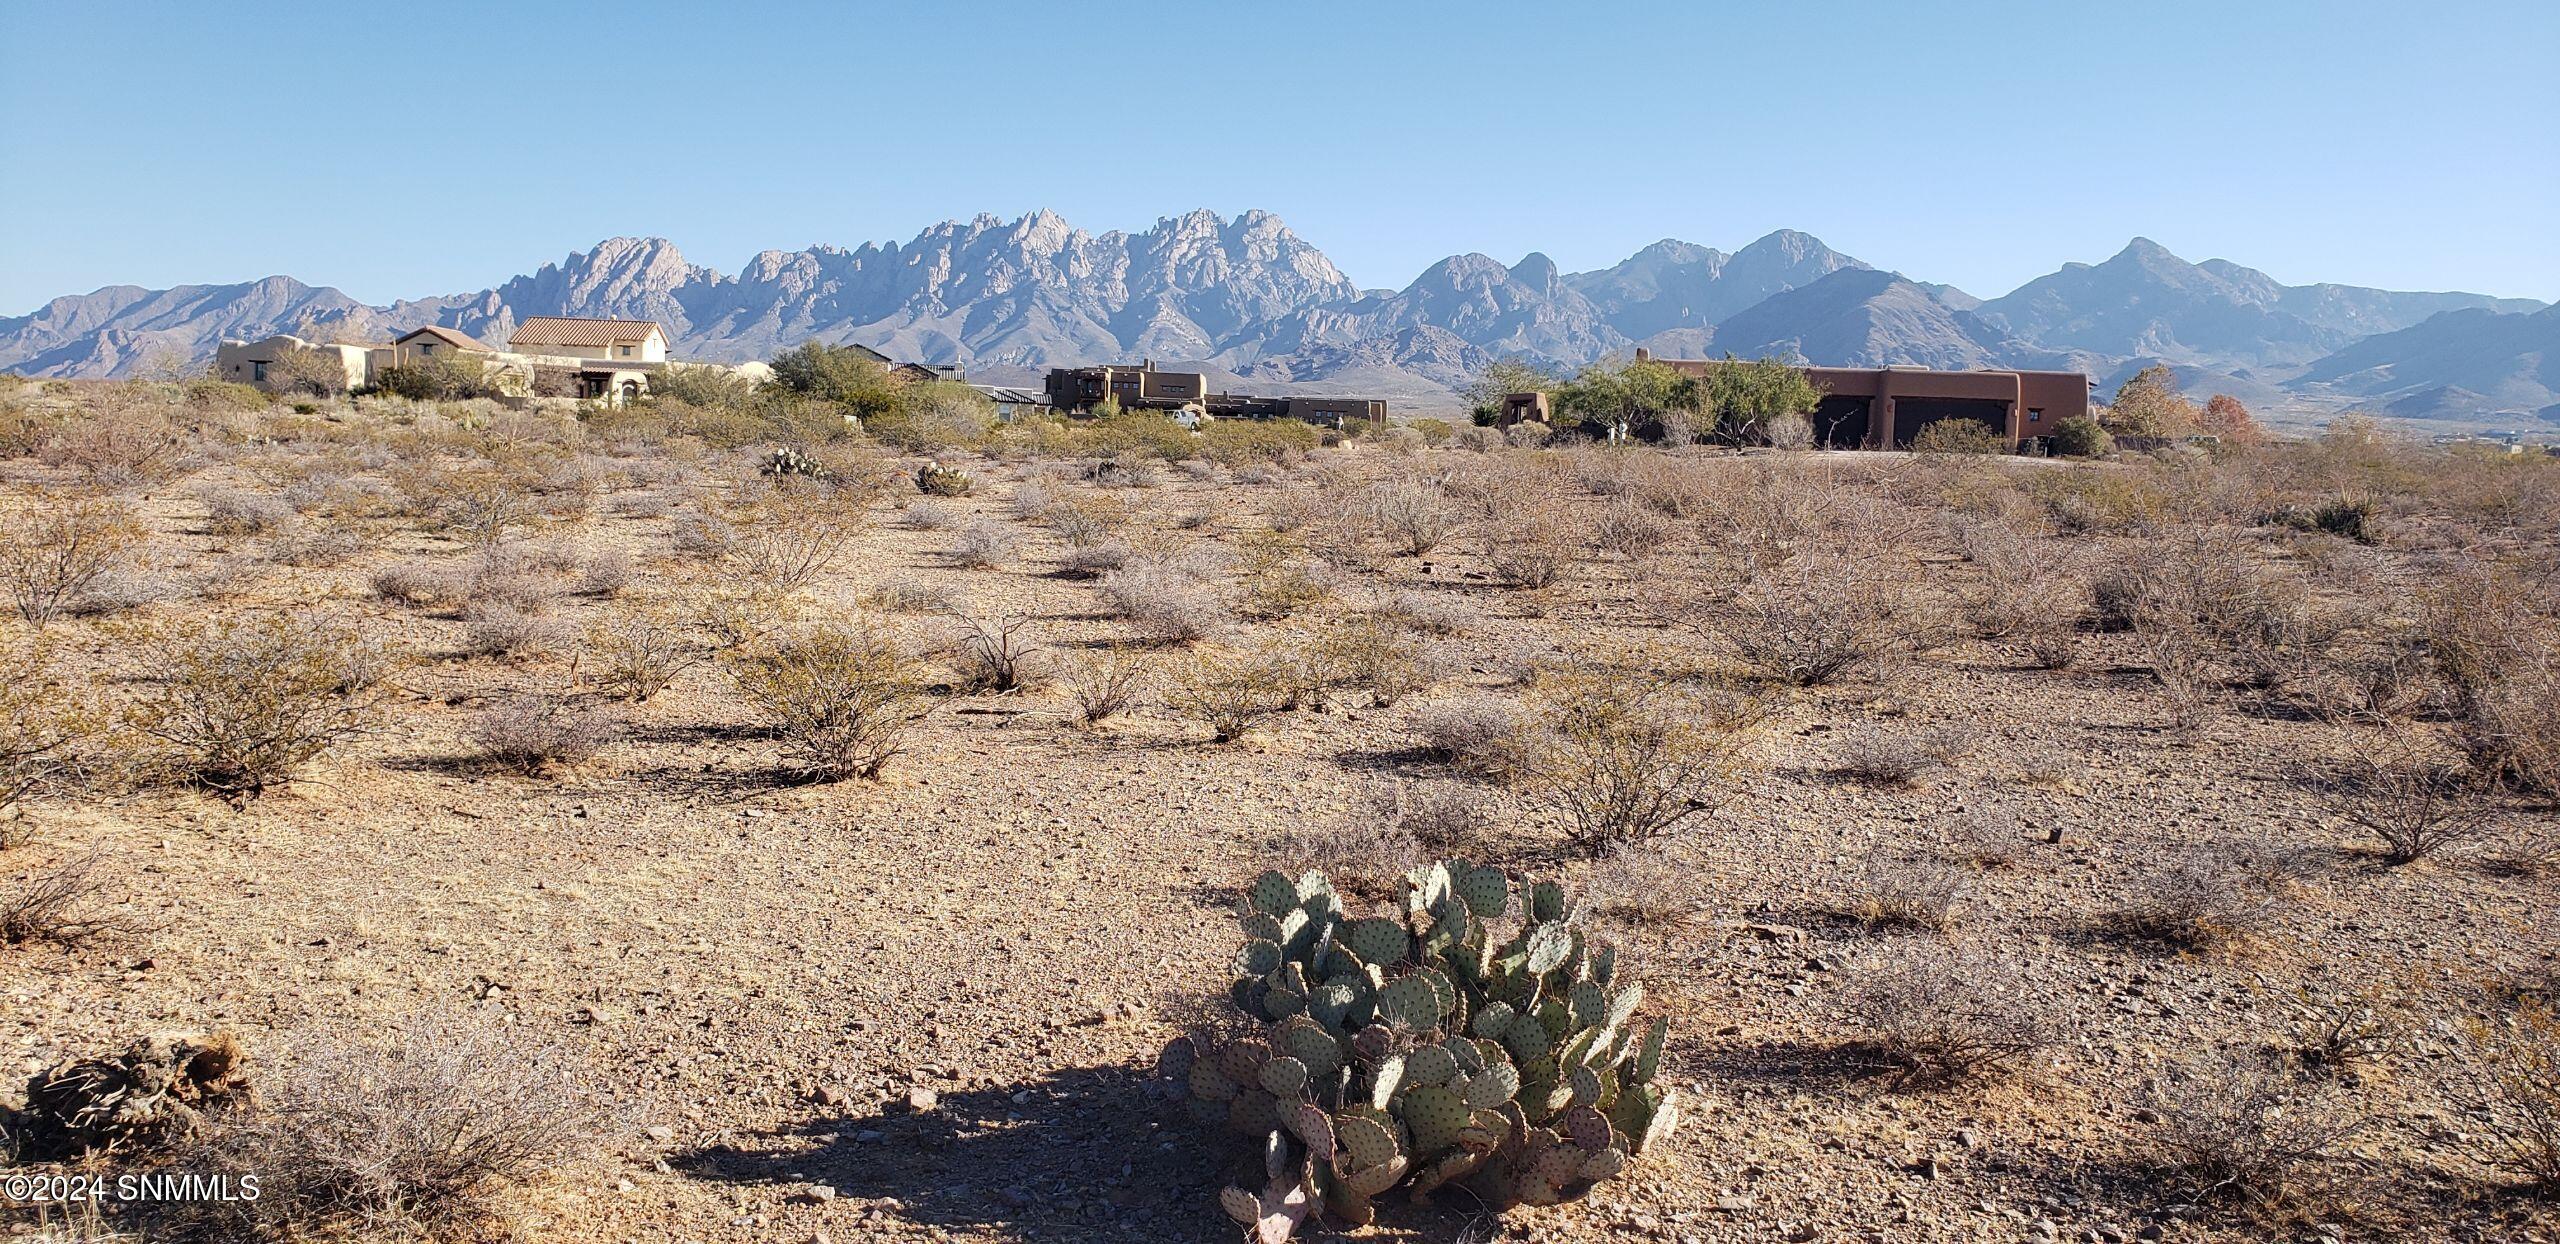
1933, 1016
42, 727
2338, 1032
1000, 654
410, 1133
1907, 893
1228, 691
2233, 1133
1414, 512
840, 696
59, 906
1644, 883
1814, 619
1105, 684
1165, 603
984, 545
2217, 894
2509, 1083
1477, 733
531, 734
636, 655
2413, 804
1988, 835
1881, 756
1625, 757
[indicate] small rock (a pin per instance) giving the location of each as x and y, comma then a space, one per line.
921, 1099
661, 1133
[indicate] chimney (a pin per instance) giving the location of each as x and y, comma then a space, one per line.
1643, 355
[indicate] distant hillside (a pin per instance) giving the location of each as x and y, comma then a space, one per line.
1250, 301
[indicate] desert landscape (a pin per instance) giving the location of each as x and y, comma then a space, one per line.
710, 819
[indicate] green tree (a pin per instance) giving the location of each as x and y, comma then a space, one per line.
1624, 396
2150, 405
845, 375
1739, 399
1484, 394
2081, 437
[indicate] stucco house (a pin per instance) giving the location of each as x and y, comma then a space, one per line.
621, 341
547, 356
432, 341
246, 362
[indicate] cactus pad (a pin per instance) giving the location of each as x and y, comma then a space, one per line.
1546, 901
1258, 958
1366, 1142
1649, 1057
1369, 1181
1207, 1083
1243, 1206
1486, 890
1309, 1043
1549, 946
1314, 1127
1585, 1127
1434, 1114
1284, 1077
1492, 1019
1492, 1086
1409, 1002
1378, 941
1590, 1005
1274, 894
1430, 1064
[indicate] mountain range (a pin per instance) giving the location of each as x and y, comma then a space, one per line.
1259, 308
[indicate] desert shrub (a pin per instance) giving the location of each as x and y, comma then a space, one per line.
317, 544
2333, 1032
736, 615
1234, 443
926, 516
2509, 1083
636, 655
1931, 1015
1817, 618
909, 596
1631, 531
530, 734
1279, 577
1429, 612
230, 512
415, 585
2204, 896
413, 1133
1229, 692
1165, 604
709, 387
1534, 553
120, 446
1644, 883
983, 546
439, 378
2412, 804
999, 654
1528, 434
1412, 511
1479, 734
1365, 1101
240, 704
1888, 757
1367, 653
605, 574
1364, 853
2177, 655
1089, 561
2101, 500
41, 729
1104, 684
1987, 835
56, 548
498, 628
1959, 436
2234, 1132
1906, 892
1626, 758
2082, 437
787, 538
61, 905
840, 696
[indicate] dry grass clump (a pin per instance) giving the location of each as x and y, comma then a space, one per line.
56, 548
840, 696
1374, 656
119, 444
999, 654
316, 544
2209, 895
1429, 613
1475, 732
1414, 512
58, 905
2491, 636
2508, 1086
1987, 835
1167, 602
240, 704
1909, 893
496, 628
1643, 883
415, 586
1364, 854
1888, 757
636, 655
231, 512
2413, 804
1625, 758
983, 545
903, 595
531, 734
411, 1134
1104, 684
2235, 1133
607, 573
1933, 1015
1533, 552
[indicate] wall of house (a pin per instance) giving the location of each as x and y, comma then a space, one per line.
240, 361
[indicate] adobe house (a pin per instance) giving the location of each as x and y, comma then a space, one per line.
1526, 407
246, 362
591, 358
1136, 388
1885, 407
432, 341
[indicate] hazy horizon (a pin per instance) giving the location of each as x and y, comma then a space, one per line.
2348, 145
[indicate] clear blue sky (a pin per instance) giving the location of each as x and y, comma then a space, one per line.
414, 150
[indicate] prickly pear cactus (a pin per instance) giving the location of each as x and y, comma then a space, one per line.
1479, 1036
786, 461
936, 480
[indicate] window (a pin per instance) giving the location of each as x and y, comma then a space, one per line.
257, 371
626, 352
426, 347
2035, 414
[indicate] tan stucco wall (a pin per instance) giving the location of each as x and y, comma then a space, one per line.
238, 361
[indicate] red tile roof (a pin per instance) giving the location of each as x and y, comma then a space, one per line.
552, 330
445, 335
